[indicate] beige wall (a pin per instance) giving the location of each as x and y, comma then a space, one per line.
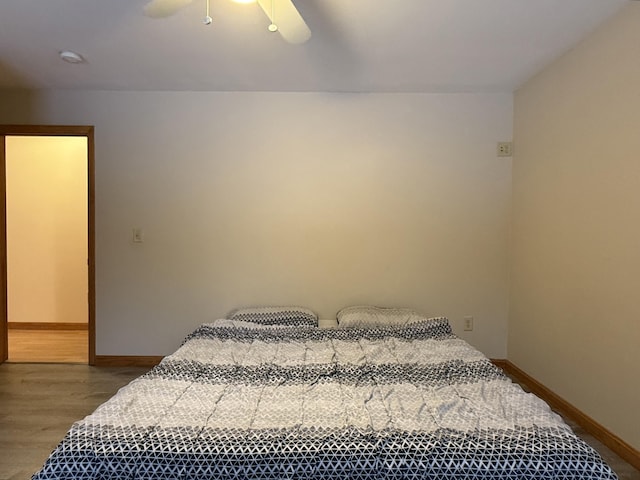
574, 319
46, 229
328, 200
324, 200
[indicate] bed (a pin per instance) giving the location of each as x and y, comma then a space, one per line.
256, 397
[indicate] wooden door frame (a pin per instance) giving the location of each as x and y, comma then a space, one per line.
55, 131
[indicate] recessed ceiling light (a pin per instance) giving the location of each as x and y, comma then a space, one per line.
71, 57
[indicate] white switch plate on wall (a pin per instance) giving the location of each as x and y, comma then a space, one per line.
137, 235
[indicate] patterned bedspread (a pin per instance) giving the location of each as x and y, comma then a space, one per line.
240, 401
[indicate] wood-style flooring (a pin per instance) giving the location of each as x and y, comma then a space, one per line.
624, 470
39, 402
48, 346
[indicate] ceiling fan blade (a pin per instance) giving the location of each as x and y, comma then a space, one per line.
164, 8
285, 15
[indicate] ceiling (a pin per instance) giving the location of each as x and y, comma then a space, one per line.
356, 45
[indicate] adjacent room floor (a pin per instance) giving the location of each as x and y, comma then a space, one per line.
48, 346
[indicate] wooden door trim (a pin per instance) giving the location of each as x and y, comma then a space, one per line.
58, 131
4, 340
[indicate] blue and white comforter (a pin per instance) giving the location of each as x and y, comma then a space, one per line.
238, 401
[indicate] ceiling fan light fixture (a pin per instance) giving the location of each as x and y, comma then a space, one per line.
283, 15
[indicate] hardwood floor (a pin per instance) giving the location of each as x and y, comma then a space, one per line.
623, 469
39, 402
48, 346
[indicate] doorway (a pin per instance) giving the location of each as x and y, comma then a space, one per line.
47, 226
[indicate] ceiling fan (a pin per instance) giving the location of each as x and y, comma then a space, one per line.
283, 14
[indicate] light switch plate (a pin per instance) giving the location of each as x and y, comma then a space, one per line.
137, 235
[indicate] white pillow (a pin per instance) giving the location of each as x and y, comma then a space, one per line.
228, 323
296, 316
370, 316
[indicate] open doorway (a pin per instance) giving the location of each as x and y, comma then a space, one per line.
48, 285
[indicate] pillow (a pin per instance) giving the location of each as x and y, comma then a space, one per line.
297, 316
370, 316
228, 323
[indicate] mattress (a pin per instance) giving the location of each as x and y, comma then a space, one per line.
243, 401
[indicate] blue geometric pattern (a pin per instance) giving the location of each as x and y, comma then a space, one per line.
532, 453
437, 328
397, 403
292, 316
263, 374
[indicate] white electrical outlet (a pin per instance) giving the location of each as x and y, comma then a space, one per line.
505, 149
468, 323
